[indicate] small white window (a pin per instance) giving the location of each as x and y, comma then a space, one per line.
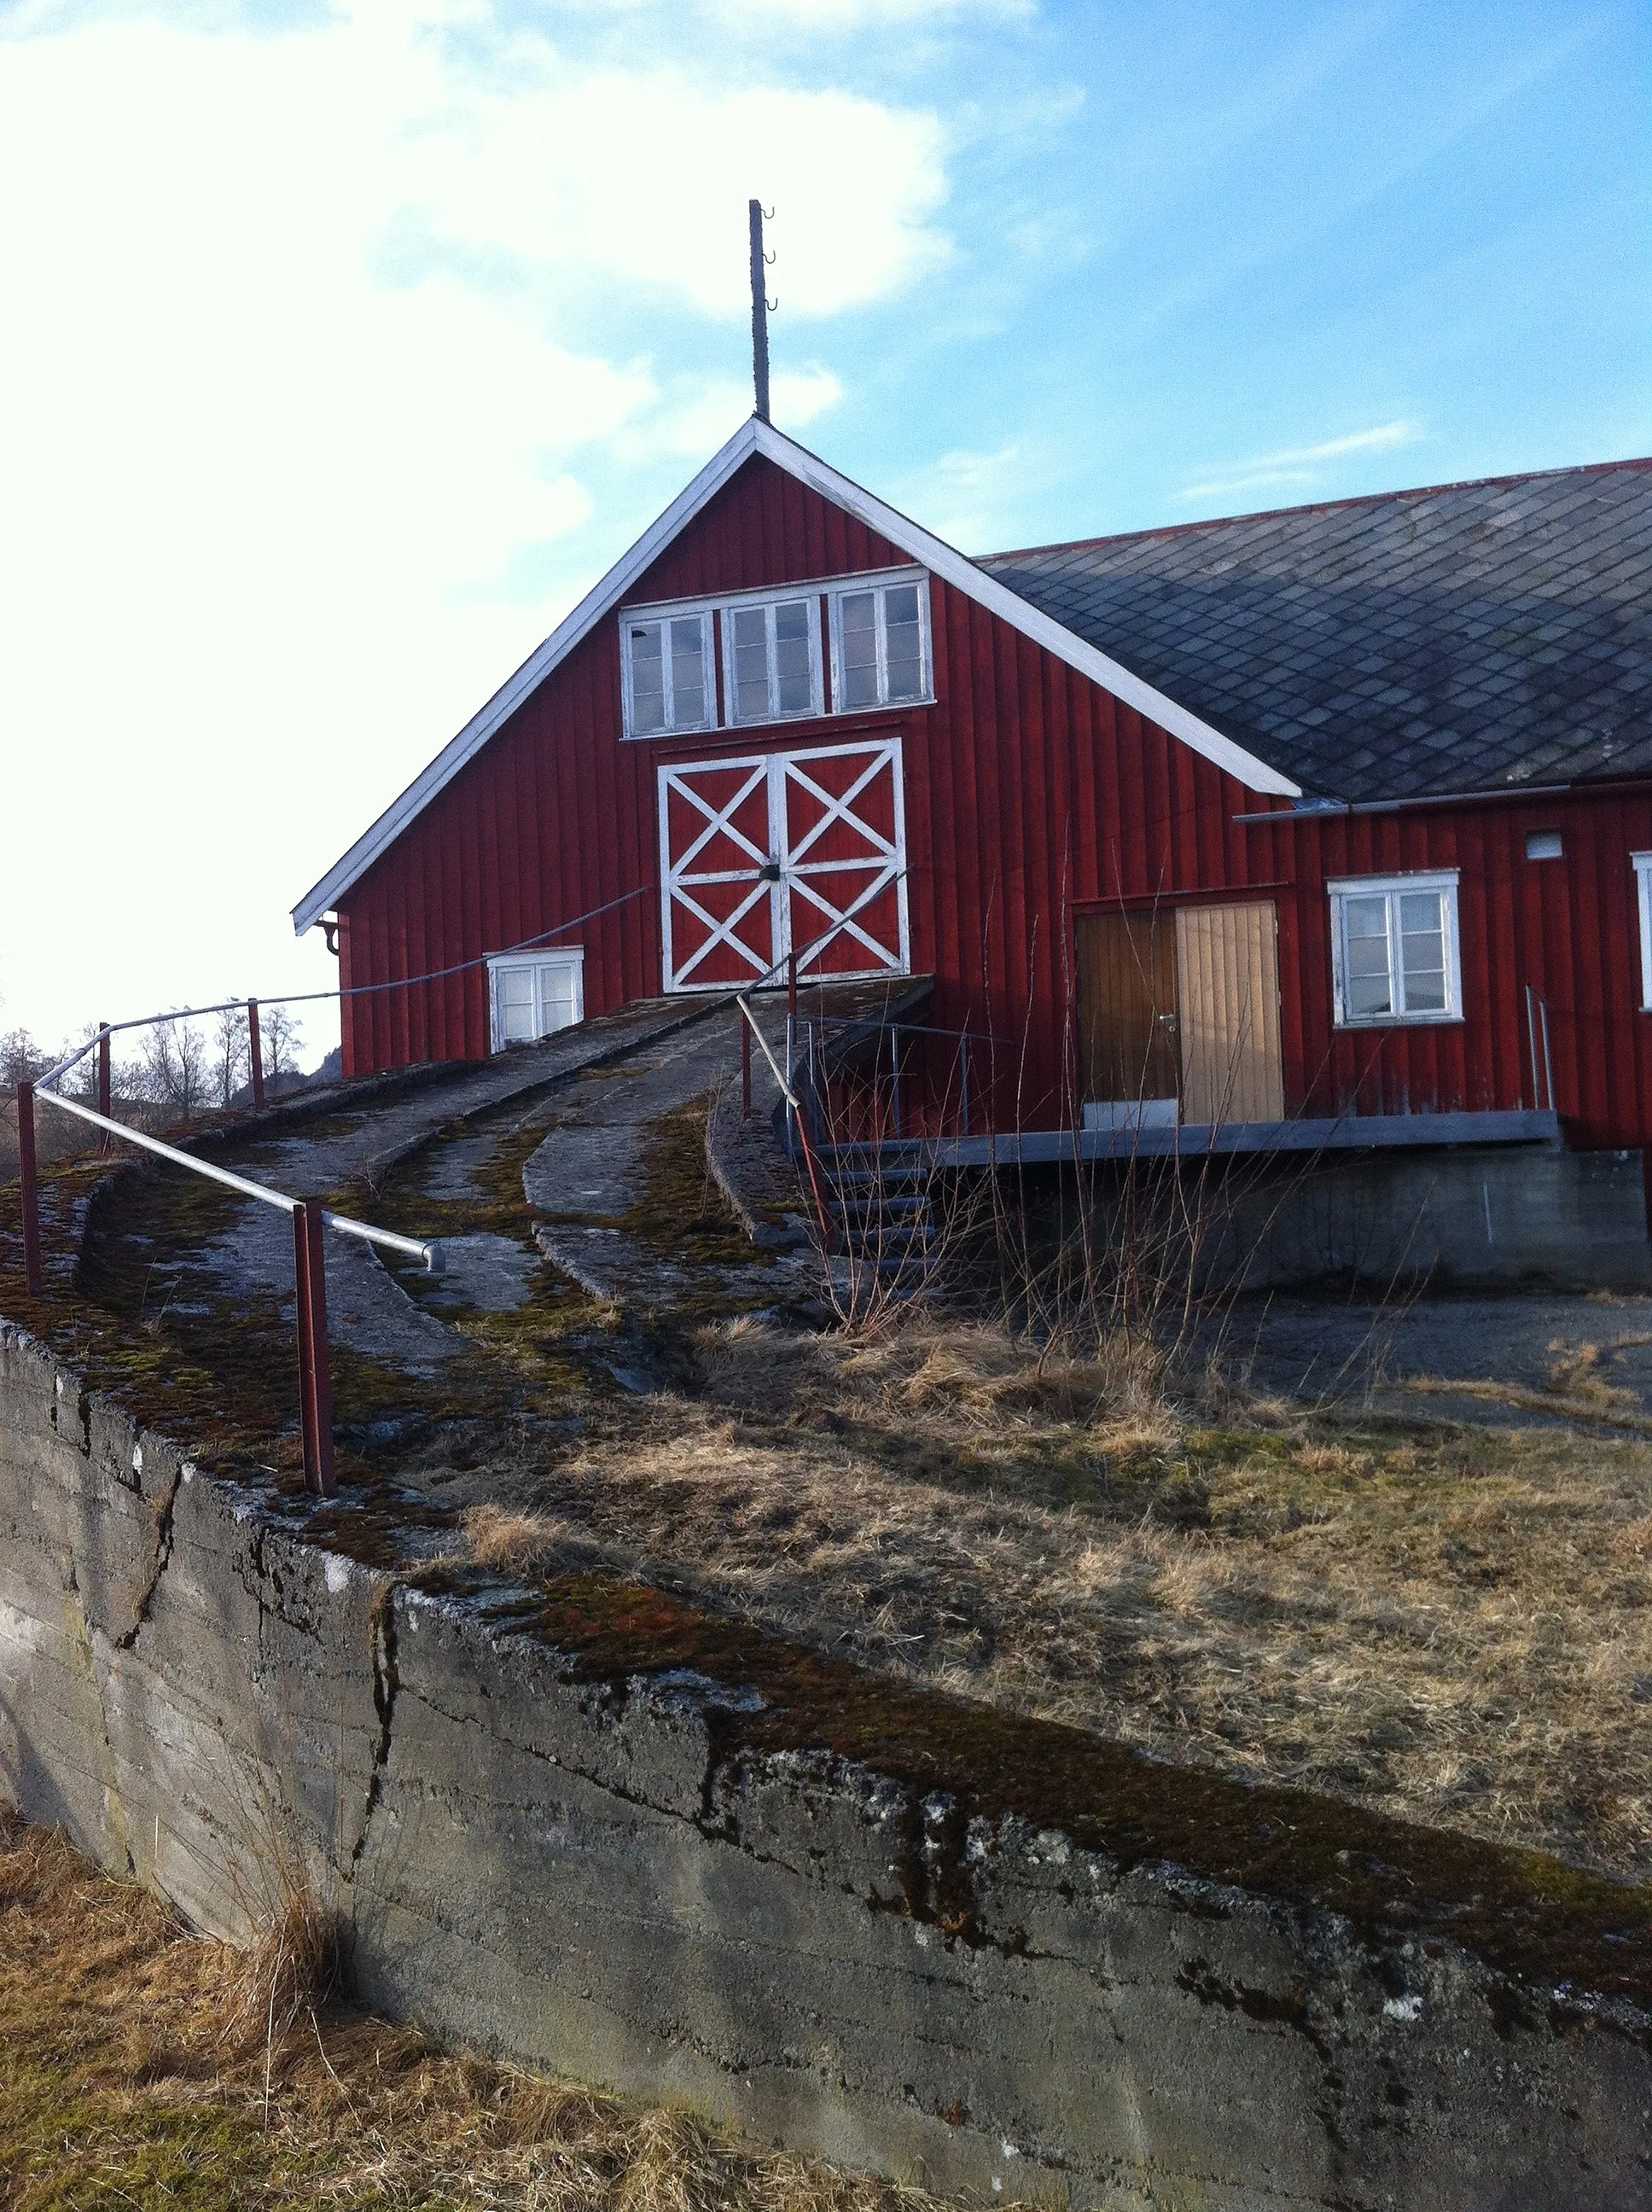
771, 659
534, 994
880, 645
1544, 845
668, 679
1393, 949
1642, 863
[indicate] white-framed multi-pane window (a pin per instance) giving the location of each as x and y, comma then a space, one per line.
880, 643
1393, 949
534, 994
771, 658
1642, 863
772, 649
667, 671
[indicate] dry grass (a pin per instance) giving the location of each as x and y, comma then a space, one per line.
1452, 1625
134, 2070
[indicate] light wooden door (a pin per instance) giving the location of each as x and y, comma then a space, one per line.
1127, 977
1227, 969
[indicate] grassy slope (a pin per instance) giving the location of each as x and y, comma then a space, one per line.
1451, 1625
139, 2065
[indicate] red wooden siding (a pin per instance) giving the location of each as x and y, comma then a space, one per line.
1030, 794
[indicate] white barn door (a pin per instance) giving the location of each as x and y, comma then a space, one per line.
775, 851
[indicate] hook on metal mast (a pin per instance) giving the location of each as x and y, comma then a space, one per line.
762, 308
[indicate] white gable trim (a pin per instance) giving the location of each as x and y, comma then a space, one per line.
918, 544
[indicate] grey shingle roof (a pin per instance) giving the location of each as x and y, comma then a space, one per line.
1470, 637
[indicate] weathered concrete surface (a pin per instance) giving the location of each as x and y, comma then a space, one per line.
1466, 1216
351, 1138
593, 1871
590, 1177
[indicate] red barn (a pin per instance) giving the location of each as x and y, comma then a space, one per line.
1324, 826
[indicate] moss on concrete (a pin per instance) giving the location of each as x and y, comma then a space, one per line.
1522, 1911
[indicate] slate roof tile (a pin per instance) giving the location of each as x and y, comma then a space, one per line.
1453, 639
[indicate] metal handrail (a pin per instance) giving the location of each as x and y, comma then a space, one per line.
142, 1022
907, 1029
353, 990
1537, 1021
430, 1254
309, 1220
798, 1117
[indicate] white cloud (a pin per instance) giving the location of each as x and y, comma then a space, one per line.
690, 423
645, 177
970, 499
1301, 465
762, 18
853, 14
275, 528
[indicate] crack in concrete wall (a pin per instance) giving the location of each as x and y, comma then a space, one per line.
599, 1877
386, 1688
162, 1509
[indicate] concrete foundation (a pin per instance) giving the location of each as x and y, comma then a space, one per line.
673, 1878
1464, 1216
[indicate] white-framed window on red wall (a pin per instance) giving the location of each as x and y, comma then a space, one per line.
772, 648
1395, 954
534, 994
880, 643
668, 673
1642, 863
771, 658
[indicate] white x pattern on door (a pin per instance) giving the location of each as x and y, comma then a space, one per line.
830, 878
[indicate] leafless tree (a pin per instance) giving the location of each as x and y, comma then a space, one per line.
175, 1066
232, 1052
21, 1059
82, 1080
281, 1037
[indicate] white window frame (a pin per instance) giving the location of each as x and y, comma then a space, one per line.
810, 595
878, 580
826, 593
1642, 864
639, 617
1342, 888
555, 956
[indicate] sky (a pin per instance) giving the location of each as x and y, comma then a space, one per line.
347, 345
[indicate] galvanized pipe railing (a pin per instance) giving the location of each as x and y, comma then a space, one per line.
962, 1038
309, 1220
795, 1109
1537, 1023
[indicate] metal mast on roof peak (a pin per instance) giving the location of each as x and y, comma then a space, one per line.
761, 305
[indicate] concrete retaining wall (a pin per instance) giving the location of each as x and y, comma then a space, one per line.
603, 1875
1463, 1217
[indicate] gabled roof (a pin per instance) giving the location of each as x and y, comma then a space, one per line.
754, 437
1466, 638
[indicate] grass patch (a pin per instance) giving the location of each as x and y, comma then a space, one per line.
1447, 1625
134, 2070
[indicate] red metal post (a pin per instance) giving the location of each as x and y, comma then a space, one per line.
255, 1055
746, 1069
33, 1275
105, 1083
314, 1379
